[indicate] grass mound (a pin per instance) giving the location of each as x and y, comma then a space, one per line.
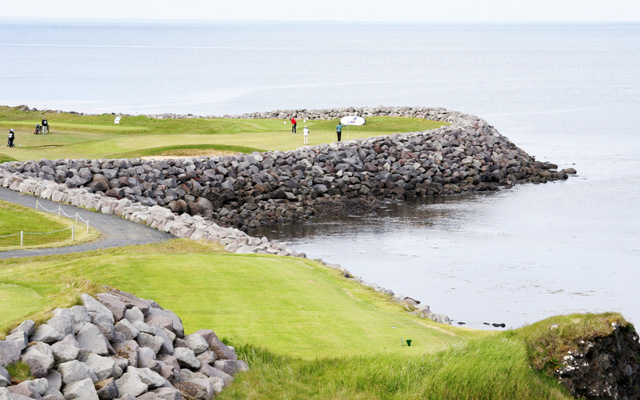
306, 331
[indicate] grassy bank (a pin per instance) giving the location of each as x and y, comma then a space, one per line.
306, 331
75, 136
35, 225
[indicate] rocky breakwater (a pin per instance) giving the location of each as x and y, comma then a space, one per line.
115, 346
246, 191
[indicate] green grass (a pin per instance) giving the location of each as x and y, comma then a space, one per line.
292, 306
306, 331
15, 218
75, 136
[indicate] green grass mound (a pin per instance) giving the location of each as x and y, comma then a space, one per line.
306, 331
96, 136
15, 218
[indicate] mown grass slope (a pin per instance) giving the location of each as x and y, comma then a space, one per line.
306, 331
96, 136
40, 229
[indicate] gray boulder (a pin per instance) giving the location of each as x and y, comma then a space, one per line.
151, 341
152, 379
66, 350
114, 304
54, 378
39, 358
212, 372
192, 389
27, 326
94, 307
9, 352
127, 329
21, 338
167, 393
134, 314
196, 343
186, 358
63, 323
104, 324
130, 383
102, 366
80, 390
74, 371
47, 334
128, 350
221, 350
5, 378
90, 338
107, 389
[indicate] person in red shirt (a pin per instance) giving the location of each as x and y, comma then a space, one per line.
294, 123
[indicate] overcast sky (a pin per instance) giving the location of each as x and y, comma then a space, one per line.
331, 10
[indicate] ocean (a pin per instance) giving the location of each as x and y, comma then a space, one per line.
565, 93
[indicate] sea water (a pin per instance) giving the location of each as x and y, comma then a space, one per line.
565, 93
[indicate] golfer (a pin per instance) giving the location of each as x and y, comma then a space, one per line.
294, 124
305, 132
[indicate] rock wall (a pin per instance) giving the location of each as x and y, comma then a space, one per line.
605, 367
246, 191
116, 347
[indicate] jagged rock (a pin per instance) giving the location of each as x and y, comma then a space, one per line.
107, 389
127, 329
5, 378
27, 326
54, 379
193, 390
196, 343
20, 338
102, 366
74, 371
47, 334
39, 358
9, 352
134, 314
65, 350
131, 383
152, 379
114, 304
94, 307
80, 390
90, 338
221, 350
128, 350
186, 357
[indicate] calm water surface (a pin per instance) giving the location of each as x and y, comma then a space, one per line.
569, 94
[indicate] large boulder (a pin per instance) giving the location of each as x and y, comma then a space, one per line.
131, 383
114, 304
80, 390
9, 352
39, 358
91, 339
47, 334
186, 358
74, 371
102, 366
107, 389
66, 350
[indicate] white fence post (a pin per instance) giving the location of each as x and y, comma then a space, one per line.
37, 205
76, 218
87, 226
59, 211
72, 234
21, 238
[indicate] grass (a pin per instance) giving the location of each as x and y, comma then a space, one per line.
15, 218
306, 331
75, 136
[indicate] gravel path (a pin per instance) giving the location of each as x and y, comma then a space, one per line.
116, 232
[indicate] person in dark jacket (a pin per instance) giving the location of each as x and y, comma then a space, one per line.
12, 136
45, 125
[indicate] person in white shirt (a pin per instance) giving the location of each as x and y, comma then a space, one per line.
305, 132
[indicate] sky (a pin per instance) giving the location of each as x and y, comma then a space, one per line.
330, 10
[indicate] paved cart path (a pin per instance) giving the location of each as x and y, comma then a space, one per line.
116, 232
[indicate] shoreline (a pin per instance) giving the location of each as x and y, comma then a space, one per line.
246, 191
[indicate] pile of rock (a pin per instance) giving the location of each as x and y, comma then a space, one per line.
116, 347
246, 191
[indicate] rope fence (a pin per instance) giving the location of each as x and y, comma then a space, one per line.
60, 212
